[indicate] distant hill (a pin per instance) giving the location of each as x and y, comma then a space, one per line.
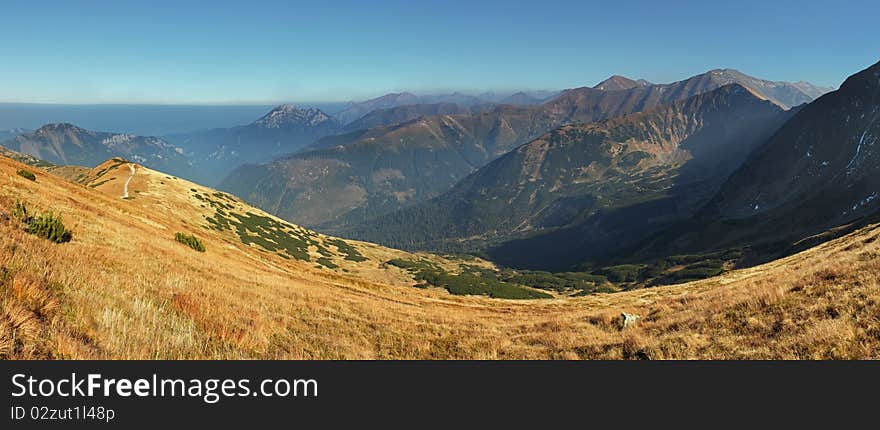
584, 190
456, 97
373, 172
67, 144
401, 114
521, 98
355, 111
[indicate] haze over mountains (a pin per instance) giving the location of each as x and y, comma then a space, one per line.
356, 110
405, 113
369, 173
67, 144
213, 152
142, 120
9, 134
284, 129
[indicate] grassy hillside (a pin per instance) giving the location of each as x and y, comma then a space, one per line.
73, 173
123, 287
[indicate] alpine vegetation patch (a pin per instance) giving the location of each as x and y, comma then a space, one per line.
190, 241
27, 174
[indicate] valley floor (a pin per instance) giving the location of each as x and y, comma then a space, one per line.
122, 290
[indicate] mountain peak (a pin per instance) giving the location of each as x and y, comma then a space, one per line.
725, 70
60, 127
784, 94
286, 107
618, 82
289, 115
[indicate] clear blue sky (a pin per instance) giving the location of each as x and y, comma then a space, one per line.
102, 51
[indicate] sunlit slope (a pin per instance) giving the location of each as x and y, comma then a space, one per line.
124, 288
72, 173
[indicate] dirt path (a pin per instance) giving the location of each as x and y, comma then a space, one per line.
125, 187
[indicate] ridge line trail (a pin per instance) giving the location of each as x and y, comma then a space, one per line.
125, 187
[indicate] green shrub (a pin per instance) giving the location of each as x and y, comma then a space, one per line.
49, 226
467, 284
621, 273
326, 262
351, 253
474, 281
27, 175
190, 241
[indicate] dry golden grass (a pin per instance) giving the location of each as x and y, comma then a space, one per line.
124, 289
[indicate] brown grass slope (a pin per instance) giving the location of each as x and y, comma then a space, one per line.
123, 288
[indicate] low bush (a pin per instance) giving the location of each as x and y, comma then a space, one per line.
558, 281
27, 175
190, 241
49, 226
466, 284
326, 262
621, 273
474, 281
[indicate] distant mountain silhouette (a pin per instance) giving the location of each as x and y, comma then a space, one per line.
67, 144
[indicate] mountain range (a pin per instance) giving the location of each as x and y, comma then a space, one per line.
758, 215
820, 170
67, 144
368, 173
588, 189
356, 110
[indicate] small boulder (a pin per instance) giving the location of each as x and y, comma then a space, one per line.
627, 320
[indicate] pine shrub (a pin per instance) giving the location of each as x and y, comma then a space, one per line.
190, 241
27, 175
49, 226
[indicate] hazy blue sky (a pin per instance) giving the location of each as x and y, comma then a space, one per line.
95, 51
